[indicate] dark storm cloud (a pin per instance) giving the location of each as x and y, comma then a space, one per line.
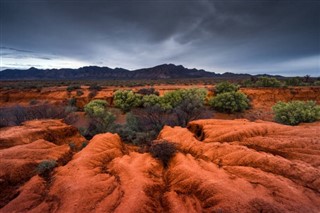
237, 36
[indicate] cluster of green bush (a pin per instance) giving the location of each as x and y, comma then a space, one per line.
127, 99
228, 99
295, 112
149, 113
274, 82
262, 82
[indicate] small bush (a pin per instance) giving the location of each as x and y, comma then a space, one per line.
101, 120
126, 100
247, 83
225, 87
84, 144
73, 146
92, 94
296, 81
148, 91
172, 99
73, 87
295, 112
45, 167
95, 87
316, 83
33, 102
72, 102
163, 150
268, 82
190, 109
230, 102
96, 108
79, 92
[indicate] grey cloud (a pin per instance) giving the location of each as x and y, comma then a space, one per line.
224, 35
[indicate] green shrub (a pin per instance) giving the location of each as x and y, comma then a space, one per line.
79, 92
225, 87
101, 120
172, 99
295, 112
45, 167
247, 83
189, 109
296, 81
268, 82
230, 102
96, 108
316, 83
151, 100
126, 100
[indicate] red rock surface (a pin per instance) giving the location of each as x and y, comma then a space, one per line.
220, 166
51, 130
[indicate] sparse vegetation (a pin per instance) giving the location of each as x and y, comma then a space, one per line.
12, 116
295, 112
95, 87
92, 94
73, 87
73, 146
175, 108
317, 83
268, 82
45, 167
230, 102
148, 91
79, 92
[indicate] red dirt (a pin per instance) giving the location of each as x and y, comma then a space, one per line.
220, 166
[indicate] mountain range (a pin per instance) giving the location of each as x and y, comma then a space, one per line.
164, 71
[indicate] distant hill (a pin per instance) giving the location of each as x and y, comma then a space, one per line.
164, 71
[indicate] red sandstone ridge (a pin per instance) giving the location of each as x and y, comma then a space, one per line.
220, 166
54, 131
22, 148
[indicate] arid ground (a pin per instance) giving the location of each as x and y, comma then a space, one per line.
229, 163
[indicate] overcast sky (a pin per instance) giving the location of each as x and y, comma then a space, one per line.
241, 36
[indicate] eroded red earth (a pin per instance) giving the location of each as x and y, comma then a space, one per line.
220, 166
